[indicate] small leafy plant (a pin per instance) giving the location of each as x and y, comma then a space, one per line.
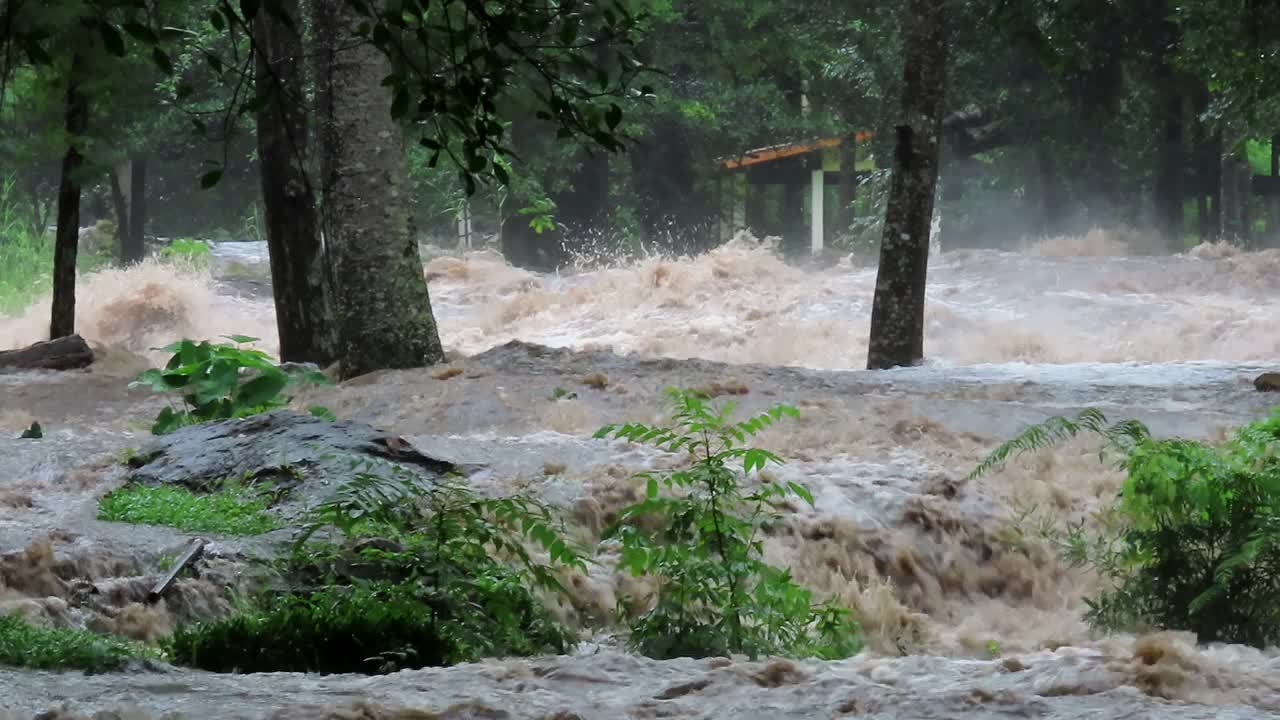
715, 594
416, 572
1193, 541
39, 648
233, 509
221, 381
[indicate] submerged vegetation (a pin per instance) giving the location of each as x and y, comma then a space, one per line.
232, 509
40, 648
1193, 541
715, 593
414, 572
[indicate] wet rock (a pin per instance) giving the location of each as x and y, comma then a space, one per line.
308, 455
64, 353
1268, 382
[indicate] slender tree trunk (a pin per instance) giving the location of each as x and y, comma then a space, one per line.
135, 249
1213, 168
383, 307
1231, 228
1052, 191
1170, 162
63, 320
304, 311
121, 186
897, 313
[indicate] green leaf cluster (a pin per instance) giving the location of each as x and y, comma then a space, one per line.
1193, 541
715, 595
417, 573
212, 381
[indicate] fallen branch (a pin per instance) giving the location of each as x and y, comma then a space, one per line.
193, 551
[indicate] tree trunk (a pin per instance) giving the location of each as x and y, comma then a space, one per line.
384, 317
1053, 191
1213, 169
135, 249
63, 316
304, 315
1169, 164
121, 186
897, 313
1230, 229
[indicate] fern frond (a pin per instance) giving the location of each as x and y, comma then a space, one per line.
1056, 430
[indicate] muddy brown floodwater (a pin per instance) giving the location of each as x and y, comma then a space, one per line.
963, 619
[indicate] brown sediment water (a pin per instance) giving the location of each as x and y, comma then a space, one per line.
966, 613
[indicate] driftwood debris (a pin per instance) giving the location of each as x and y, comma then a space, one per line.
64, 353
189, 556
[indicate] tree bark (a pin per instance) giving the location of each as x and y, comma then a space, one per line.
135, 249
66, 244
301, 289
384, 317
1170, 162
121, 186
1231, 228
897, 313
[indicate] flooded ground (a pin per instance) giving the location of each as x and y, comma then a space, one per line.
964, 616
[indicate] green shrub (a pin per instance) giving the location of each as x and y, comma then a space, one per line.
1193, 541
221, 381
715, 595
185, 251
423, 573
231, 510
39, 648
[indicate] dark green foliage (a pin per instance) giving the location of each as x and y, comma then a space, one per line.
1193, 542
231, 510
33, 432
715, 594
39, 648
427, 573
221, 381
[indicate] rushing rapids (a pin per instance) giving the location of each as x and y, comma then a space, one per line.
964, 617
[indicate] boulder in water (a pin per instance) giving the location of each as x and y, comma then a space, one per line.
64, 353
308, 455
1268, 382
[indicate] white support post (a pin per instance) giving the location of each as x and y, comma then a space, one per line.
815, 211
464, 226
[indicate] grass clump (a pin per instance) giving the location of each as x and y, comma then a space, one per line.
1193, 540
39, 648
715, 594
233, 509
222, 381
185, 251
415, 572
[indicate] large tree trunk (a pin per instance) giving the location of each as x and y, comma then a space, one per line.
63, 315
383, 308
304, 310
897, 313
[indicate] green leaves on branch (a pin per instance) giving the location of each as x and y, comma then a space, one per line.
715, 594
218, 382
424, 573
1193, 542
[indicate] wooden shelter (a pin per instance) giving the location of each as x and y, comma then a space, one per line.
820, 165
